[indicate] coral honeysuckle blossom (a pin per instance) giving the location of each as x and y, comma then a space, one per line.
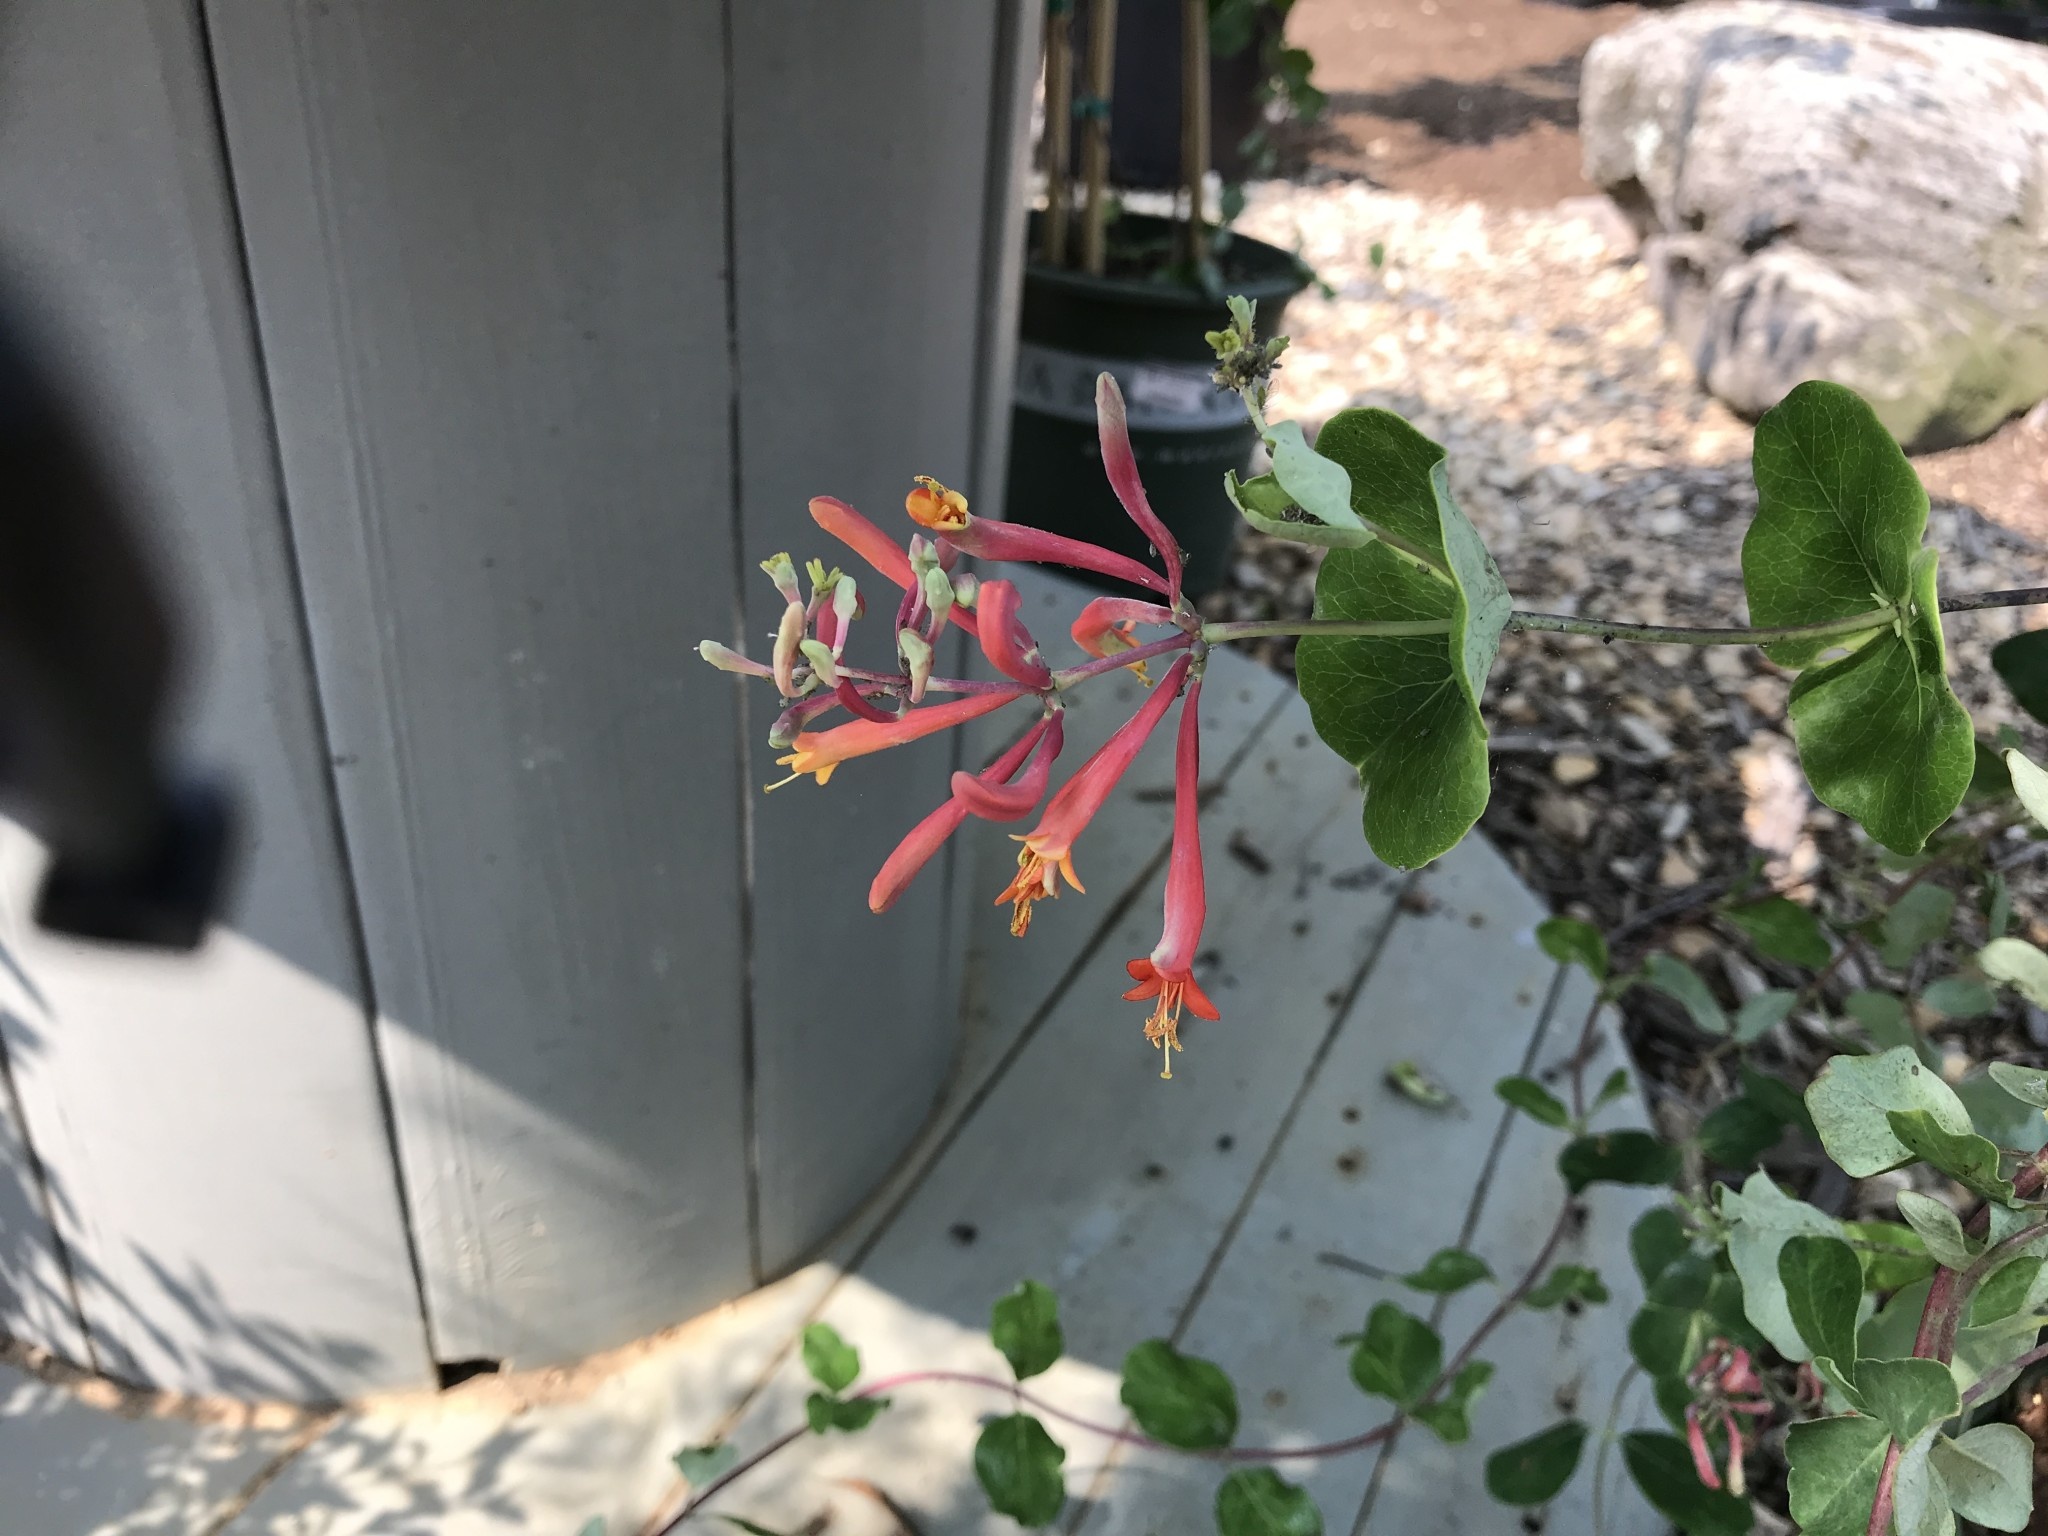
1726, 1386
808, 665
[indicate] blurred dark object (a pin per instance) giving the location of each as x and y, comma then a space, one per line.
2025, 22
86, 658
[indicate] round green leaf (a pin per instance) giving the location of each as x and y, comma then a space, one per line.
1018, 1466
1259, 1502
1618, 1157
1959, 997
1571, 942
1914, 921
2022, 662
1405, 710
1989, 1474
1736, 1134
2019, 965
1179, 1399
1397, 1357
1025, 1326
1667, 1341
1657, 1241
1662, 1468
1853, 1096
1939, 1229
1447, 1271
1834, 1468
1532, 1471
1782, 929
832, 1362
2027, 1084
2005, 1292
1762, 1219
1909, 1395
1823, 1283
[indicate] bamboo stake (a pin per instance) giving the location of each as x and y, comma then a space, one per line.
1059, 127
1095, 139
1194, 124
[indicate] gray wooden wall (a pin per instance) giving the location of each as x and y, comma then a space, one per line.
468, 355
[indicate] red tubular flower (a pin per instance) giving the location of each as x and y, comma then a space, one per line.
945, 513
1167, 974
1109, 624
1005, 641
929, 835
1011, 802
1112, 428
1048, 850
873, 546
820, 752
1696, 1442
850, 696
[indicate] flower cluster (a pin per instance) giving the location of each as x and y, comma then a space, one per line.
1727, 1388
809, 669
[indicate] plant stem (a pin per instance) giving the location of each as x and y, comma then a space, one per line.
1095, 133
2016, 597
1671, 634
1979, 1390
932, 685
1252, 629
1059, 126
1087, 669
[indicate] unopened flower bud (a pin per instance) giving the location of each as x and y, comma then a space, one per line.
846, 607
726, 659
917, 658
789, 636
966, 589
938, 592
782, 571
819, 655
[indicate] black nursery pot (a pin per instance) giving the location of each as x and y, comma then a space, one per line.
1184, 430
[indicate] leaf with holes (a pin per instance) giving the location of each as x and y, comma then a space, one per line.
1837, 534
1258, 1501
1025, 1326
1405, 710
1853, 1097
1532, 1471
1018, 1466
1185, 1401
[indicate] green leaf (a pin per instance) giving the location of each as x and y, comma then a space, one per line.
2027, 1084
1257, 1501
1834, 1467
1853, 1097
2006, 1291
1959, 997
1532, 1471
1405, 710
1618, 1157
1533, 1100
700, 1464
1761, 1219
1881, 737
1837, 534
1317, 484
2019, 965
1615, 1086
739, 1523
1681, 983
1448, 1270
1018, 1466
1571, 942
1909, 1395
1735, 1134
1662, 1468
1919, 1501
1784, 930
1913, 922
1902, 1258
1998, 904
832, 1362
1990, 779
1178, 1398
1967, 1158
842, 1413
1989, 1474
1397, 1357
1823, 1282
2029, 782
1776, 1095
2022, 662
1667, 1341
594, 1526
1938, 1228
1450, 1415
1883, 1018
1999, 1117
1761, 1014
1656, 1242
1025, 1326
1567, 1282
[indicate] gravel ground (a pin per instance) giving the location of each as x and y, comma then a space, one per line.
1632, 784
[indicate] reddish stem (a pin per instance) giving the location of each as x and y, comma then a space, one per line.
1101, 664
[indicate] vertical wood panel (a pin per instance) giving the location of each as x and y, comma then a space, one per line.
861, 155
211, 1129
487, 243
